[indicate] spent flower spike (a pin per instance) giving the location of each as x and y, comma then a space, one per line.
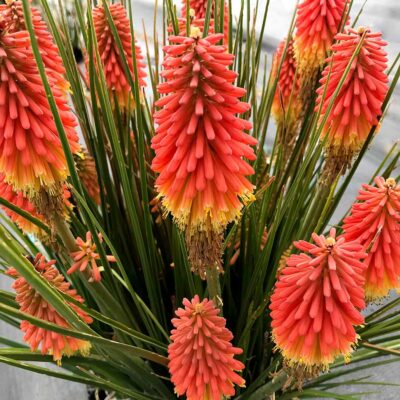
317, 301
32, 303
87, 256
201, 355
375, 222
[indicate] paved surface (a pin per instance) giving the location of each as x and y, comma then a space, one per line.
380, 15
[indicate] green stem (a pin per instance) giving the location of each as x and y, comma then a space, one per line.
65, 233
213, 286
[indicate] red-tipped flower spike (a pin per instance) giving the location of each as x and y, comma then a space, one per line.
87, 256
116, 79
286, 105
31, 154
200, 143
201, 355
375, 223
359, 103
317, 299
32, 303
13, 20
19, 200
317, 23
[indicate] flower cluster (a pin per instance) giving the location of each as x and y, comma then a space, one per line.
317, 23
317, 301
87, 256
115, 74
359, 102
32, 303
375, 223
200, 143
31, 154
201, 356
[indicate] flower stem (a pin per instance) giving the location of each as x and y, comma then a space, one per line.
213, 285
65, 233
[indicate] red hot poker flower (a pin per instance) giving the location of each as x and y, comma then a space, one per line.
200, 143
116, 79
31, 154
375, 222
286, 105
13, 19
31, 302
317, 23
21, 201
317, 299
87, 256
359, 103
201, 355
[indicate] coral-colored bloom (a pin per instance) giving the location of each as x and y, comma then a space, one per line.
317, 23
317, 299
87, 256
375, 223
18, 199
31, 302
13, 19
359, 103
200, 143
201, 355
199, 10
116, 79
286, 106
31, 154
88, 175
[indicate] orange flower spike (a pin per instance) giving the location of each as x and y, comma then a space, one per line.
31, 154
375, 222
116, 79
317, 23
286, 103
32, 303
359, 103
87, 256
201, 355
316, 301
13, 17
19, 200
200, 143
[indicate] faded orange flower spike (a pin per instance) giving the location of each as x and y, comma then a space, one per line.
359, 103
316, 301
87, 256
200, 143
87, 172
31, 154
286, 105
116, 79
32, 303
13, 17
375, 222
201, 355
18, 199
317, 23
